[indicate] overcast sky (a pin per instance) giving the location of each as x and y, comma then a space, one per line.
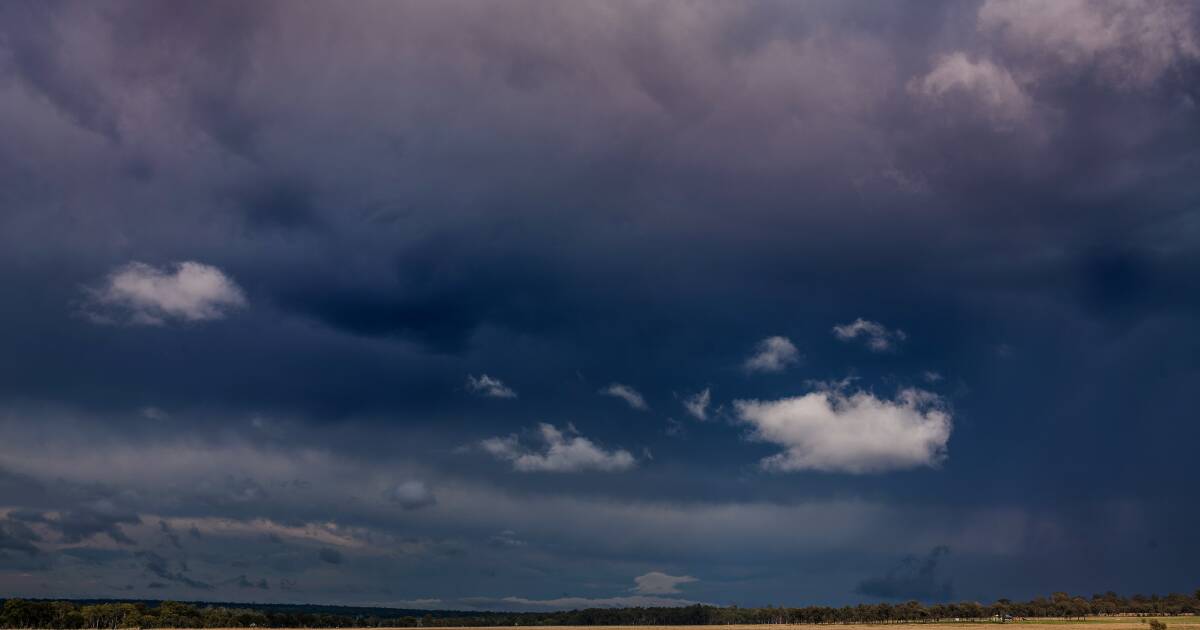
535, 305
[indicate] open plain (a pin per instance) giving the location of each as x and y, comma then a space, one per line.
1186, 622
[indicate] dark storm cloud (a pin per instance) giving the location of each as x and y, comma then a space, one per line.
170, 534
40, 58
97, 556
281, 204
19, 489
86, 521
913, 578
161, 568
243, 582
408, 193
16, 535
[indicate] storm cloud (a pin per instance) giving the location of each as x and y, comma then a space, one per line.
417, 286
913, 578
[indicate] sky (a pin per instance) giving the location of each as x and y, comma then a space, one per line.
537, 305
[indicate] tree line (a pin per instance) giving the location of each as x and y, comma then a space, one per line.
28, 613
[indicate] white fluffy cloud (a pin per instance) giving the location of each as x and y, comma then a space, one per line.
138, 293
485, 385
989, 88
773, 354
626, 393
877, 336
659, 583
830, 431
412, 494
697, 404
560, 453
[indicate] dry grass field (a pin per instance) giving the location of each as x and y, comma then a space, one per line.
1095, 623
1105, 623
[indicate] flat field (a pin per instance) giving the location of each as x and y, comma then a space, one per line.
1105, 623
1098, 623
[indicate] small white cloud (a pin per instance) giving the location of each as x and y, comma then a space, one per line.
626, 393
989, 88
412, 494
140, 294
485, 385
830, 431
659, 583
697, 404
877, 337
560, 453
931, 377
773, 354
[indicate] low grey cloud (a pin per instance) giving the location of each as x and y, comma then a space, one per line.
659, 583
86, 520
462, 531
506, 539
912, 578
331, 556
490, 387
560, 452
243, 582
577, 603
16, 535
170, 534
161, 567
412, 494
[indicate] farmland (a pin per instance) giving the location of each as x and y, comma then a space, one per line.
1185, 622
